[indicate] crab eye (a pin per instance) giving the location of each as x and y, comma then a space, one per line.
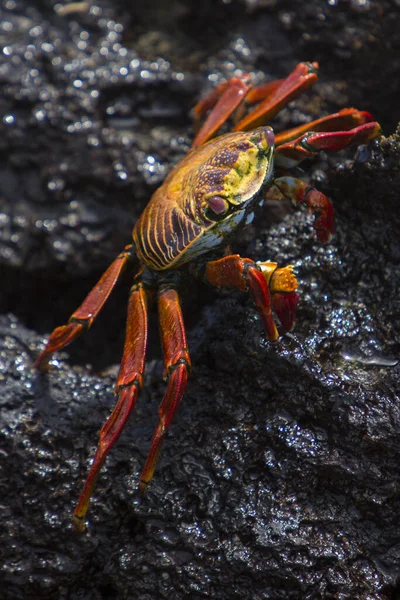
270, 137
218, 205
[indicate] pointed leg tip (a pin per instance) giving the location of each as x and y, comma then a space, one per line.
79, 523
142, 489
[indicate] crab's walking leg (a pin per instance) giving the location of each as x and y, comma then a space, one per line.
345, 119
299, 192
84, 316
176, 370
275, 95
233, 93
256, 95
299, 80
264, 281
307, 145
292, 148
128, 386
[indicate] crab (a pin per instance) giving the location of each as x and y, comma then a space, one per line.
208, 197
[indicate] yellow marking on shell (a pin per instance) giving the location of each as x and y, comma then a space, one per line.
246, 165
246, 176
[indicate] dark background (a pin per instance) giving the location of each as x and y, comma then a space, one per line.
280, 476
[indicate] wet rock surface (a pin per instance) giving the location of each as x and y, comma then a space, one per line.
280, 476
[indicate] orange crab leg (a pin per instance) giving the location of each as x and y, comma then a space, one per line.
254, 95
128, 386
262, 91
84, 316
176, 370
234, 92
207, 103
233, 99
290, 154
262, 280
300, 79
274, 94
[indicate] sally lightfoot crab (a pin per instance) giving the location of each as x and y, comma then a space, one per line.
206, 200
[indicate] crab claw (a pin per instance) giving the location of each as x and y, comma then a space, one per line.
320, 206
285, 305
283, 284
317, 203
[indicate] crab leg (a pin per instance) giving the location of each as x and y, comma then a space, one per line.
299, 80
84, 316
264, 281
262, 92
274, 96
282, 285
299, 192
176, 370
239, 94
128, 386
290, 154
345, 119
233, 93
209, 101
254, 96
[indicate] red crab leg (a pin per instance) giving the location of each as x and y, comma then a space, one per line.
299, 80
207, 103
255, 95
263, 281
176, 370
234, 91
128, 386
298, 192
309, 144
345, 119
274, 94
84, 316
